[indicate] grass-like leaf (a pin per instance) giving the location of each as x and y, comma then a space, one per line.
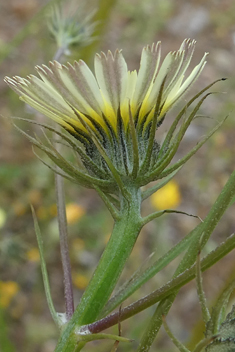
44, 271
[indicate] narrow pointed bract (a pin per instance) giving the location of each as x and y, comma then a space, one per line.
114, 108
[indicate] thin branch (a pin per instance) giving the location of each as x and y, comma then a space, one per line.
64, 248
60, 52
62, 224
157, 214
164, 291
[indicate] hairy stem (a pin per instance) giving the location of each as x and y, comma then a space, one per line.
125, 232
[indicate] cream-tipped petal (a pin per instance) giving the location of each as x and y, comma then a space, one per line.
188, 46
61, 78
130, 87
131, 84
65, 86
62, 119
179, 90
185, 53
148, 67
36, 89
111, 75
13, 85
151, 96
86, 84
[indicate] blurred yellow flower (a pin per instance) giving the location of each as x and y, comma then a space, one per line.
8, 289
220, 139
78, 244
19, 208
2, 217
34, 197
80, 281
46, 213
42, 213
74, 212
33, 255
167, 197
53, 210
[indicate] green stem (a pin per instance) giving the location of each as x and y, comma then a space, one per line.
125, 232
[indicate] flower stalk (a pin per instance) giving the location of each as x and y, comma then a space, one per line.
125, 232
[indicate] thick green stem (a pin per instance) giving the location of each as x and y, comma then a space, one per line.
119, 247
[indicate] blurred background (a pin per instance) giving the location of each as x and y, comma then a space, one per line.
25, 323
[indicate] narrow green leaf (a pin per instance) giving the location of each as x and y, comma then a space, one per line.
183, 160
219, 309
84, 179
6, 344
176, 342
108, 204
182, 113
54, 168
134, 145
155, 188
154, 122
69, 140
92, 337
201, 294
167, 157
44, 271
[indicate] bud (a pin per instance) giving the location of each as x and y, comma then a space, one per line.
69, 26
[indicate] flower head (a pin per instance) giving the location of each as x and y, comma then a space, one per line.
107, 95
113, 115
167, 197
8, 289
